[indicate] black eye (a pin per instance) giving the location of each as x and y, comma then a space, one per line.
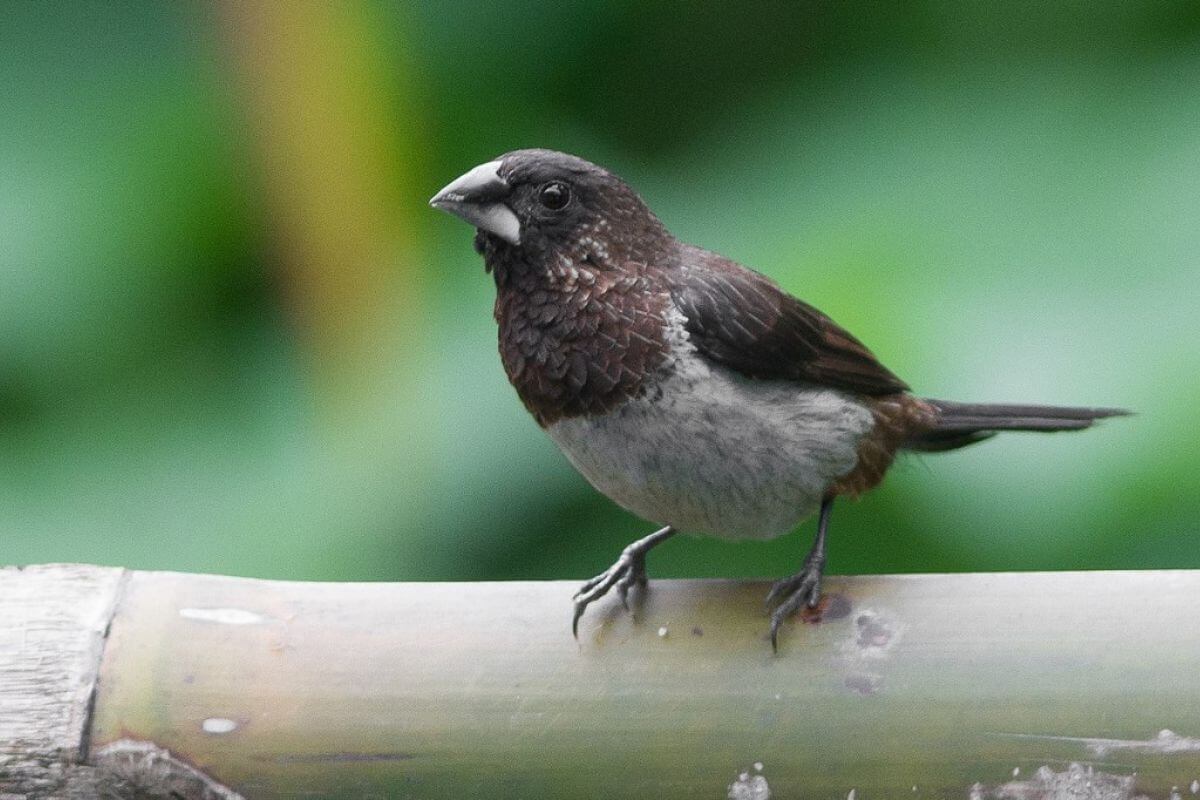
555, 195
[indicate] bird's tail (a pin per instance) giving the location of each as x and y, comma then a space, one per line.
961, 424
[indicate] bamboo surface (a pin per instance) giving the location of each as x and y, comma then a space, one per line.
936, 682
930, 686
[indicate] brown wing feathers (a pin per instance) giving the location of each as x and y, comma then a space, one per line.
743, 320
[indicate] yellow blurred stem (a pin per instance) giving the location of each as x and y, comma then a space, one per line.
322, 97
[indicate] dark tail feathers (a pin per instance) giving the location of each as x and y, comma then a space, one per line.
961, 424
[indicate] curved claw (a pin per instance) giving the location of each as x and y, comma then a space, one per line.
798, 591
776, 621
579, 609
596, 588
629, 571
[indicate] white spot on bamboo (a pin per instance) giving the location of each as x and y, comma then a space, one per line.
662, 632
1195, 787
218, 725
1166, 742
749, 787
758, 765
223, 616
1077, 780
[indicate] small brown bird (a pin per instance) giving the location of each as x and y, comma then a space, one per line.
691, 390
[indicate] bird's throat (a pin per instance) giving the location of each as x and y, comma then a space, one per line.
574, 340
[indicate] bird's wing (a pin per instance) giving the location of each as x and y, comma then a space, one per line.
745, 321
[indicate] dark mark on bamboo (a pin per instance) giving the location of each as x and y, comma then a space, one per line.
873, 631
828, 608
341, 758
864, 683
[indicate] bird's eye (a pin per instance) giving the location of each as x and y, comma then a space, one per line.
555, 195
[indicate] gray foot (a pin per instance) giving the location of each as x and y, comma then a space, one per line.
629, 571
802, 590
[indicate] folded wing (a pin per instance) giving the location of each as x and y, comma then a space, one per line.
746, 322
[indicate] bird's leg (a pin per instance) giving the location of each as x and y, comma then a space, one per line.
629, 570
803, 588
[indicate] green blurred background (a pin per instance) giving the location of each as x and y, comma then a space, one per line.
234, 338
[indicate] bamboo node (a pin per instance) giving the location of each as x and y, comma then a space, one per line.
129, 768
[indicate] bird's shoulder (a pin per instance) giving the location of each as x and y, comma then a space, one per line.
745, 321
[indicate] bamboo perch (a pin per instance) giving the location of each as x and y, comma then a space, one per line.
1023, 686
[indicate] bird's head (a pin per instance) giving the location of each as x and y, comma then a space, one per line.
535, 203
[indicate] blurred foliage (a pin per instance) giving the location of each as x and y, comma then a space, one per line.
233, 338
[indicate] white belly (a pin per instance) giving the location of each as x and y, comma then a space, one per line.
717, 453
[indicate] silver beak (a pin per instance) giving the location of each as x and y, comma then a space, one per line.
478, 197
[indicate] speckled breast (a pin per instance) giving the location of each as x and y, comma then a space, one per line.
578, 341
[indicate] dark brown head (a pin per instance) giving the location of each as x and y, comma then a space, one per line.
530, 205
575, 253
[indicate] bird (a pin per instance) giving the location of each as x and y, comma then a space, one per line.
693, 391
